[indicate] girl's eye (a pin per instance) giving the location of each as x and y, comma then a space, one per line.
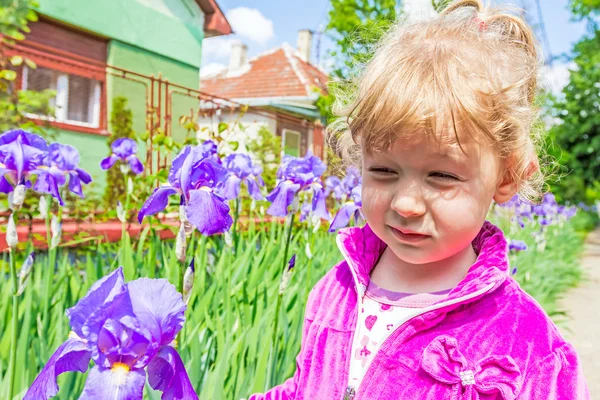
444, 177
381, 171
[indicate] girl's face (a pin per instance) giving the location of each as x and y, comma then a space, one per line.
428, 202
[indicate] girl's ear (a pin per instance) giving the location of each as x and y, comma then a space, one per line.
505, 189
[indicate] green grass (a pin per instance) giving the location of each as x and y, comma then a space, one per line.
228, 333
549, 267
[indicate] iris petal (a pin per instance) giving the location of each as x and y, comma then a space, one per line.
108, 162
72, 355
342, 218
231, 187
84, 176
164, 318
75, 184
207, 212
318, 204
167, 373
254, 190
5, 186
239, 164
124, 147
114, 384
281, 197
175, 172
157, 202
101, 292
136, 165
28, 138
46, 183
14, 158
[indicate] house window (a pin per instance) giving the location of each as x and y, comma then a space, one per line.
77, 100
291, 142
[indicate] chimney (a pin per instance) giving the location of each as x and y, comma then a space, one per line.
305, 44
238, 56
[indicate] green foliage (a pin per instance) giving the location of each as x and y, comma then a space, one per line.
266, 148
575, 141
355, 26
14, 17
551, 264
14, 105
228, 329
121, 122
439, 5
585, 8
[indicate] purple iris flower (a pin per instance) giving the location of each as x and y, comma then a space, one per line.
333, 184
350, 188
295, 175
128, 334
21, 155
62, 160
210, 150
195, 179
351, 179
517, 245
123, 149
305, 211
292, 263
241, 170
351, 209
568, 212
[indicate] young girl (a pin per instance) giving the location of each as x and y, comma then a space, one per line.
422, 306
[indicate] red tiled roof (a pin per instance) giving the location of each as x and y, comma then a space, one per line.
278, 73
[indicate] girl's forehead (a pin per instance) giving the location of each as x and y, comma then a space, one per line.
444, 148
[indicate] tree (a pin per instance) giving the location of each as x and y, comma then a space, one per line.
583, 9
575, 140
355, 26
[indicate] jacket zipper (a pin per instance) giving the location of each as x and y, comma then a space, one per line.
351, 391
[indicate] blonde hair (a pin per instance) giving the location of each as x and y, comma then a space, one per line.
470, 70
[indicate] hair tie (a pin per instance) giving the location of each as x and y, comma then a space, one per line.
481, 23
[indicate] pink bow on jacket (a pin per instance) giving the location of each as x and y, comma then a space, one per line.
491, 375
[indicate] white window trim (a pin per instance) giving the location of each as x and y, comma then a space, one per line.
283, 137
62, 100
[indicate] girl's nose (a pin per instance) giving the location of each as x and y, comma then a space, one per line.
408, 204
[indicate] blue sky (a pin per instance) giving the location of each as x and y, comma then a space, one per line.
264, 24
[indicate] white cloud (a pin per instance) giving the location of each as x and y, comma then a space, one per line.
216, 48
555, 78
212, 69
249, 23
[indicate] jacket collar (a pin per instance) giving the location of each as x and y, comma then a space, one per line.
362, 248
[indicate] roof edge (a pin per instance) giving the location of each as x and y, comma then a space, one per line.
215, 23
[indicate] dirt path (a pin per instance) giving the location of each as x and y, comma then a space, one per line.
583, 307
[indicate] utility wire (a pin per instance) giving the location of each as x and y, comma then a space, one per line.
544, 33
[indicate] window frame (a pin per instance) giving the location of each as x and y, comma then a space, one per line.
61, 113
284, 133
45, 57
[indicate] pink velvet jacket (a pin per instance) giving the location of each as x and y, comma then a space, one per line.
487, 339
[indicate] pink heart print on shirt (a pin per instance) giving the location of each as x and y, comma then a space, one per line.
370, 321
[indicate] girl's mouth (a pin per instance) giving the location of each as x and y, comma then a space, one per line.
409, 236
